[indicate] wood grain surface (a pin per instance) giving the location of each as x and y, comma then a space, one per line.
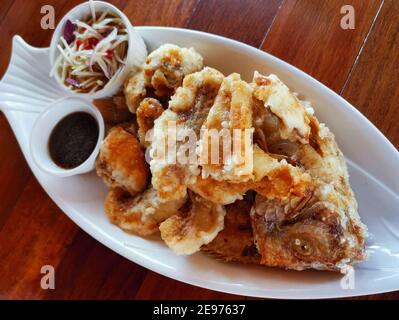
360, 64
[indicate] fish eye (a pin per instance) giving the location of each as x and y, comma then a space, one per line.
302, 247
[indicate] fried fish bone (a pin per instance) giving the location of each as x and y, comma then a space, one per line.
320, 231
197, 224
140, 214
188, 109
163, 73
227, 133
235, 242
121, 162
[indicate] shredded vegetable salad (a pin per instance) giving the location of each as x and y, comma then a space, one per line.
92, 51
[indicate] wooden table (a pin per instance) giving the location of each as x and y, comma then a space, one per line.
360, 64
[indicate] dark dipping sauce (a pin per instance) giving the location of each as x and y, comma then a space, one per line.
73, 140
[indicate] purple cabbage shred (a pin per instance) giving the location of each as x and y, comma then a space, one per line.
69, 31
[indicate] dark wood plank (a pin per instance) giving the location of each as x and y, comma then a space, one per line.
5, 5
246, 21
373, 85
159, 287
173, 13
89, 270
14, 171
36, 234
307, 34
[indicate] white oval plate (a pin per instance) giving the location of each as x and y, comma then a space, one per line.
372, 161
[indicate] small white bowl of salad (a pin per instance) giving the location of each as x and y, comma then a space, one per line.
93, 49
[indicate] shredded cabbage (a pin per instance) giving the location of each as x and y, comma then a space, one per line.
96, 54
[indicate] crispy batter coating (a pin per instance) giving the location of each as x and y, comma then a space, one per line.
188, 109
168, 65
135, 89
237, 108
162, 73
197, 224
271, 178
121, 162
276, 97
230, 117
140, 214
148, 111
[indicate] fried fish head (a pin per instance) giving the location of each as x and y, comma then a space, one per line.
305, 233
320, 231
140, 214
197, 224
121, 162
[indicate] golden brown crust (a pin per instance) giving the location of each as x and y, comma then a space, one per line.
197, 224
166, 67
230, 115
148, 111
162, 73
140, 214
188, 109
121, 162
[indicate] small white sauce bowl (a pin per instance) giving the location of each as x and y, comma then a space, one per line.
136, 54
44, 126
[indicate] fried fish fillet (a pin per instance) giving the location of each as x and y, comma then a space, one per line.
209, 101
197, 224
140, 214
321, 229
188, 109
121, 162
237, 108
162, 73
235, 242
